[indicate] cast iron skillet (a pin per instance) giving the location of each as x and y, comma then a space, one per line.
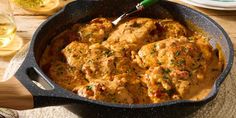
28, 95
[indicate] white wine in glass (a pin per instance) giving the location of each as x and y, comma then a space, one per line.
8, 42
7, 29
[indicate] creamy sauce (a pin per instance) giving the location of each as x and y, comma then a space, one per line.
140, 61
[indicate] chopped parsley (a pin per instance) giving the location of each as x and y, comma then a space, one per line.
181, 61
177, 53
90, 87
178, 63
69, 50
166, 71
107, 53
165, 77
153, 51
185, 49
159, 63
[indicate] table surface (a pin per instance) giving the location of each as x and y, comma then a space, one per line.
224, 104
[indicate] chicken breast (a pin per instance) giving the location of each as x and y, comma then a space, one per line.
96, 31
132, 35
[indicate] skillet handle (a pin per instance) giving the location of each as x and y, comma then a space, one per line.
14, 95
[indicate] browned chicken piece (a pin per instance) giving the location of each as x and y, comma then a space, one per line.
184, 61
76, 54
66, 76
96, 31
172, 52
109, 91
135, 87
95, 61
169, 28
132, 34
120, 90
160, 86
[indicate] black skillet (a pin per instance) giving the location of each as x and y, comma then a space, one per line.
21, 93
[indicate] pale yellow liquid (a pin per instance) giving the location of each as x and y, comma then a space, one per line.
9, 44
7, 30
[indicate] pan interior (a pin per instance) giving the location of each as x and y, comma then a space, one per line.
86, 10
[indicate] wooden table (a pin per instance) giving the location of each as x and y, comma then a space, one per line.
224, 104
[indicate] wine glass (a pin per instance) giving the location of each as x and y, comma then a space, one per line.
7, 24
7, 29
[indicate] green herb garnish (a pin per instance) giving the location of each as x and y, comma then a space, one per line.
165, 77
185, 49
181, 61
153, 51
107, 53
166, 71
177, 53
158, 62
69, 50
90, 87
